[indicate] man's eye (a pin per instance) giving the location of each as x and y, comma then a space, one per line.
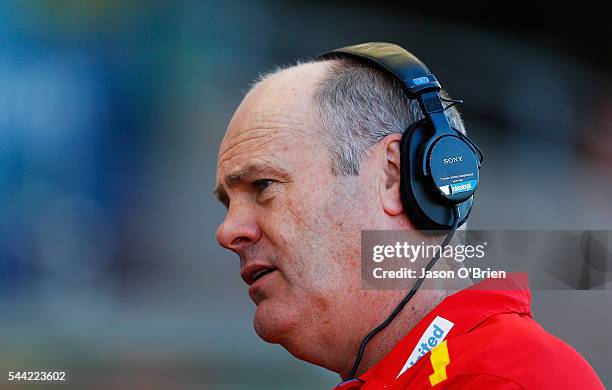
262, 184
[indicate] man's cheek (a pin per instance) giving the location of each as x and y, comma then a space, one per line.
291, 222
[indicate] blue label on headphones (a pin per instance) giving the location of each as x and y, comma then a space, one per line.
463, 186
459, 187
420, 80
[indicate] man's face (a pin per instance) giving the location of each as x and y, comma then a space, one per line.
294, 225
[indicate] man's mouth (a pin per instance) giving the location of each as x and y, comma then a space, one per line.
261, 273
253, 272
257, 280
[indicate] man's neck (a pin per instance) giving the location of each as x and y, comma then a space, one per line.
379, 346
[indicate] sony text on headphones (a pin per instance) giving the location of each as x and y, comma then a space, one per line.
439, 164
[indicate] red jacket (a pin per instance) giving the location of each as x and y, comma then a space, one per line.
482, 337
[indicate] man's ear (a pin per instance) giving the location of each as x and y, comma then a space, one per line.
390, 183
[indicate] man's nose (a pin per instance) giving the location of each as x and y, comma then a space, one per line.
238, 230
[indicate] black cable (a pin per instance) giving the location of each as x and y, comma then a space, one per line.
474, 147
408, 297
452, 102
449, 106
456, 101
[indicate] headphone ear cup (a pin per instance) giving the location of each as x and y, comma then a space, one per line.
453, 169
425, 208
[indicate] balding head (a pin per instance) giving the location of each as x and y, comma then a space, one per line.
285, 91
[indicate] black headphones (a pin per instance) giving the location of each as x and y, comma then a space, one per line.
439, 164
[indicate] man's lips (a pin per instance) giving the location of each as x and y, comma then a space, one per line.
255, 271
258, 290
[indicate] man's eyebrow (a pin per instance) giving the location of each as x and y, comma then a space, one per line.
221, 195
249, 170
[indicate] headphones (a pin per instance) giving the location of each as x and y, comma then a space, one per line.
439, 164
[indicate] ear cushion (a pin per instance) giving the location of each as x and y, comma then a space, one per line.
421, 203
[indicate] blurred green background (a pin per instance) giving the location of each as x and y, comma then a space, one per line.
111, 114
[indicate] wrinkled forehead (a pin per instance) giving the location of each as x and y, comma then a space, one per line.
275, 119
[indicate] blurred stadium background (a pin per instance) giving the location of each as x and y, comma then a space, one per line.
111, 114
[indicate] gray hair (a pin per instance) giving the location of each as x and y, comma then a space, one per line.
357, 106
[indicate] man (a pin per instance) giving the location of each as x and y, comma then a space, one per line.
311, 158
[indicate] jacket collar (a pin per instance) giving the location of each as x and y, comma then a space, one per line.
466, 309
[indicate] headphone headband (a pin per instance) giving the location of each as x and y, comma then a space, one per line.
393, 59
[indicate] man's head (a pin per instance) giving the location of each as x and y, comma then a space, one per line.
310, 158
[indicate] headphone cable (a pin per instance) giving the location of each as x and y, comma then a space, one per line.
408, 297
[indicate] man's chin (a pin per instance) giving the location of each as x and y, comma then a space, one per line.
274, 320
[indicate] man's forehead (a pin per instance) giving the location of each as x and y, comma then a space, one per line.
275, 111
285, 93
